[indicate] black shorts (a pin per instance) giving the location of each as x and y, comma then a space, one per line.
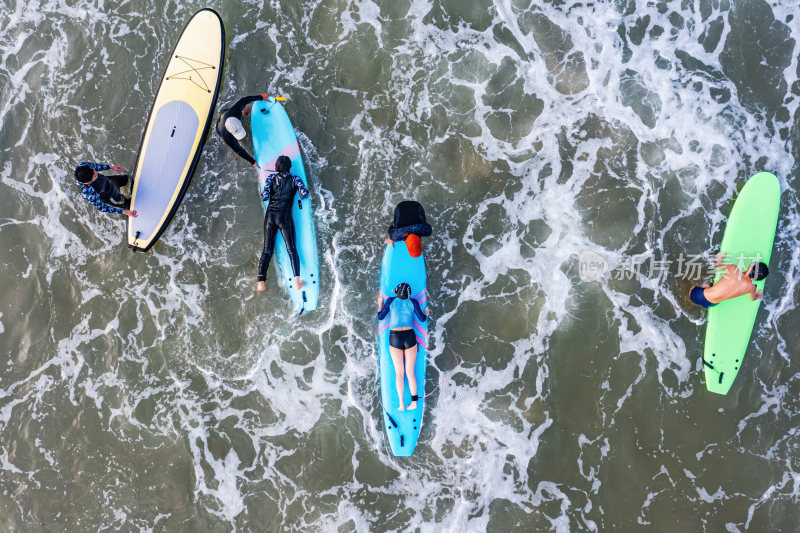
402, 340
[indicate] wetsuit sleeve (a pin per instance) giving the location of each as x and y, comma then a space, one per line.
418, 310
385, 309
301, 187
399, 234
231, 141
91, 196
422, 230
267, 185
238, 108
95, 166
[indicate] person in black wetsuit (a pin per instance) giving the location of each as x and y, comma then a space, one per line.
279, 190
230, 128
409, 225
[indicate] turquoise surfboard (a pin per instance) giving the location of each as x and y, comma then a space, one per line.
273, 136
402, 427
748, 237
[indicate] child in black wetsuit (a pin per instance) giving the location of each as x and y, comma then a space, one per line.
279, 190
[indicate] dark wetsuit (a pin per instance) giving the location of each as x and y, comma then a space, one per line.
279, 191
103, 192
237, 111
409, 217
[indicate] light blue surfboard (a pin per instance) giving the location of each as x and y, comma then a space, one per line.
273, 136
402, 427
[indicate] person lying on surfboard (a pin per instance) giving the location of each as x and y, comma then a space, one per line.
409, 225
402, 339
230, 128
104, 192
732, 284
279, 190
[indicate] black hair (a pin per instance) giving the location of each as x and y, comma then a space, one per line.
84, 173
758, 271
403, 291
408, 213
283, 164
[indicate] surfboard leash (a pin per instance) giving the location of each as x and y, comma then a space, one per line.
288, 325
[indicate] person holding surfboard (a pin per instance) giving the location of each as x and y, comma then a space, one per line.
402, 340
279, 190
732, 284
104, 192
409, 225
230, 128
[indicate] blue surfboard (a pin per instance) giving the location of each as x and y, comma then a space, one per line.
273, 136
402, 427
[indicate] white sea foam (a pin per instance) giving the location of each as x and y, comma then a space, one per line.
173, 348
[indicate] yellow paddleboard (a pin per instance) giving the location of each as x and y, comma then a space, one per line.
177, 127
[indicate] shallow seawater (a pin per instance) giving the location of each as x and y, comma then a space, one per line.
158, 392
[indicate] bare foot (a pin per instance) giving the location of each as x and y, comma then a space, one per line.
261, 286
401, 408
298, 283
412, 405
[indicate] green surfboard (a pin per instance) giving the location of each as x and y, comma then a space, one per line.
748, 237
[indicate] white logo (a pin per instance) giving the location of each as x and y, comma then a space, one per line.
592, 266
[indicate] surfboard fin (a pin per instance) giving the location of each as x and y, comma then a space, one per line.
709, 365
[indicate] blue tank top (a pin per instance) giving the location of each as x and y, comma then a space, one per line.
401, 314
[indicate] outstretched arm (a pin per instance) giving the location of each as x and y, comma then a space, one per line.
399, 234
418, 311
301, 187
231, 141
238, 108
95, 166
385, 309
755, 294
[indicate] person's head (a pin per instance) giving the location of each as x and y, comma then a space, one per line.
283, 164
234, 126
403, 291
414, 245
84, 173
758, 271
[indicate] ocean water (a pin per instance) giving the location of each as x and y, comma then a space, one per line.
158, 392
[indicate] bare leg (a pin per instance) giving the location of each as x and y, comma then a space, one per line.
397, 360
410, 359
261, 286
